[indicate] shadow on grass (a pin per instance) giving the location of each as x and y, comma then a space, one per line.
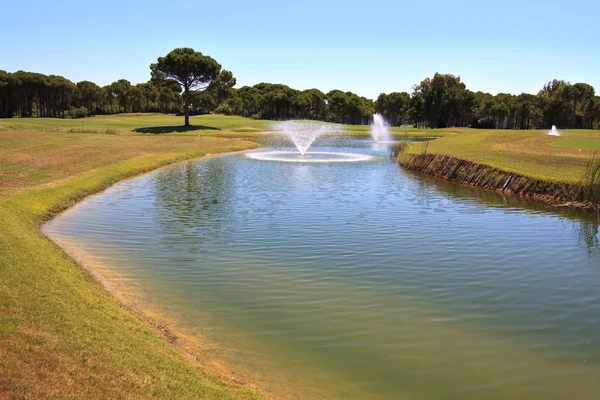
174, 129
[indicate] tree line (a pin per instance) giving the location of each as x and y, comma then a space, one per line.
438, 102
188, 82
29, 95
444, 101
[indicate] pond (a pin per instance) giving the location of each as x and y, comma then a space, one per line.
353, 280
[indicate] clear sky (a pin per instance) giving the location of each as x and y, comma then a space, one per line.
509, 46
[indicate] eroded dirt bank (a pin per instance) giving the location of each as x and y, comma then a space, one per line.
479, 175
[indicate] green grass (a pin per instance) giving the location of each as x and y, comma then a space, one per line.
591, 183
583, 144
126, 123
61, 334
529, 153
205, 124
400, 132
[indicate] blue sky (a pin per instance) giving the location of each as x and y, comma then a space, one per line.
366, 47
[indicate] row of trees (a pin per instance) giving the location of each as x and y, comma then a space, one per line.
438, 102
188, 82
29, 94
444, 101
275, 101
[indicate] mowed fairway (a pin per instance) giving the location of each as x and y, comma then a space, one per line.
61, 334
125, 123
529, 153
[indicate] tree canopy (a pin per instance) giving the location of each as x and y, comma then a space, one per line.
191, 69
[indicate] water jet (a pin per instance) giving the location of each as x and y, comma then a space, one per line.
553, 131
380, 129
302, 134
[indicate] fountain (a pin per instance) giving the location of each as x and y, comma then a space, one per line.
302, 134
553, 131
380, 129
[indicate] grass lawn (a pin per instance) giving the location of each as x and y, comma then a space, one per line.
61, 334
587, 141
208, 125
126, 123
529, 153
400, 132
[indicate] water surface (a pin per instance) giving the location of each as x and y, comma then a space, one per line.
356, 280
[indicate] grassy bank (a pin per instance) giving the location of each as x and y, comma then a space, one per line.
61, 334
529, 163
529, 153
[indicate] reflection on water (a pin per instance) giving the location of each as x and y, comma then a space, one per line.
358, 280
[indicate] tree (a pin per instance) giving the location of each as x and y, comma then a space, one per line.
62, 92
581, 94
338, 104
109, 95
136, 99
318, 104
121, 90
150, 94
556, 102
527, 111
394, 107
6, 85
221, 87
88, 95
202, 102
251, 99
191, 69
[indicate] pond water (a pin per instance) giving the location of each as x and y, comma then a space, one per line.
355, 280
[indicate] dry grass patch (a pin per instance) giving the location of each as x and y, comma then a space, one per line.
62, 335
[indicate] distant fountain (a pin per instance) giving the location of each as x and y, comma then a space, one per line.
380, 129
302, 134
554, 131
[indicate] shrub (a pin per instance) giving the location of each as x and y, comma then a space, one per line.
399, 147
224, 109
81, 130
591, 180
424, 147
80, 112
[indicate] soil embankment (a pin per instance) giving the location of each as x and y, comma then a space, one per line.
479, 175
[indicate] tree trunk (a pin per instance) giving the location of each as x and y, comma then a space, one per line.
186, 107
